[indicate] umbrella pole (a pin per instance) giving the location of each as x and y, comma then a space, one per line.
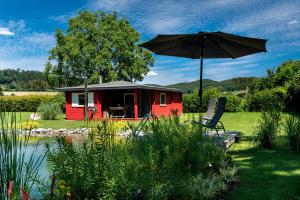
200, 88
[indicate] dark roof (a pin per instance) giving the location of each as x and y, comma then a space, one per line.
114, 85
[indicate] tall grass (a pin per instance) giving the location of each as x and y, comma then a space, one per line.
170, 161
18, 170
291, 127
267, 129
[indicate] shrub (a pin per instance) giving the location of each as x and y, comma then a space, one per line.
292, 129
50, 110
265, 99
60, 99
29, 125
171, 161
27, 103
191, 101
267, 129
234, 103
294, 94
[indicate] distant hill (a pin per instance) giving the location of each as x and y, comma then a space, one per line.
233, 84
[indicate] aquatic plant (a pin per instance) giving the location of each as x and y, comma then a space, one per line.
18, 168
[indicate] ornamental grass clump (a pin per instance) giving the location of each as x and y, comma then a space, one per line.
18, 169
50, 111
291, 127
170, 160
267, 129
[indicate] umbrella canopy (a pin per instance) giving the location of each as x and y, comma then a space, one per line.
205, 45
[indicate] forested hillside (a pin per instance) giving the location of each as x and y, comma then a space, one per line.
22, 80
234, 84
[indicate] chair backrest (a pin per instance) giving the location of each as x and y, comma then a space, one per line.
211, 108
219, 112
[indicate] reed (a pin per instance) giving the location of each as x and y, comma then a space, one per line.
18, 169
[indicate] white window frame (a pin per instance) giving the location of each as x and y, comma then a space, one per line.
75, 99
163, 104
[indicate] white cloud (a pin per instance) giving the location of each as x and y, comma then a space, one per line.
152, 73
17, 25
60, 18
5, 31
110, 5
40, 39
293, 22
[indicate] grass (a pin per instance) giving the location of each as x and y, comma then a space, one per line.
266, 174
61, 122
239, 121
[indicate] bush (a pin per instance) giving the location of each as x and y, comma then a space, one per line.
28, 103
265, 99
292, 129
50, 110
267, 129
29, 125
171, 161
234, 103
191, 101
294, 94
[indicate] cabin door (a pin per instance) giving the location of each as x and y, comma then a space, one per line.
145, 102
129, 104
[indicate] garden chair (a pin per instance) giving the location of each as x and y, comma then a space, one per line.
210, 110
214, 123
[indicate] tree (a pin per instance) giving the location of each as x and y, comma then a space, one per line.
97, 44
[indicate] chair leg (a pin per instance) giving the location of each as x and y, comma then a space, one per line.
223, 127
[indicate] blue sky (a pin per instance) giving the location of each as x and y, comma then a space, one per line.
27, 31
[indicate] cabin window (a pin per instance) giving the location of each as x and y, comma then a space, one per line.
163, 99
78, 99
81, 99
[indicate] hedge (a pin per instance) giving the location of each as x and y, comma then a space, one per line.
267, 99
28, 103
191, 101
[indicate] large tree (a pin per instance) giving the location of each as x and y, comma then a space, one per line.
98, 44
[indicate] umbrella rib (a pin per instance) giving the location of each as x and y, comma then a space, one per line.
217, 44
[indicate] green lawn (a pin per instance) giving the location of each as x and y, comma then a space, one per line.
266, 174
24, 117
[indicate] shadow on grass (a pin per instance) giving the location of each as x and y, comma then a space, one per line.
265, 174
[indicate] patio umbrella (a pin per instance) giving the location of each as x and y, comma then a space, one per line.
205, 45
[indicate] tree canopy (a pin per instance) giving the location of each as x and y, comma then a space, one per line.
98, 44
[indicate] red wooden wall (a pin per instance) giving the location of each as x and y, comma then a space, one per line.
173, 102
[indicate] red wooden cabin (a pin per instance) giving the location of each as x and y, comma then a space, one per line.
121, 99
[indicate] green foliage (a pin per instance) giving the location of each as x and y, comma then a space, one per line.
291, 128
170, 161
264, 99
234, 103
60, 99
95, 44
267, 129
27, 103
293, 93
50, 111
17, 166
191, 101
280, 86
18, 79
